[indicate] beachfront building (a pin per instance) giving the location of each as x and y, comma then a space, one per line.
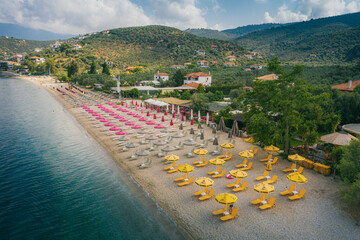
199, 77
200, 52
231, 58
229, 64
256, 66
161, 76
177, 66
203, 63
347, 87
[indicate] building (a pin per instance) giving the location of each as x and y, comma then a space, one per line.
110, 63
17, 58
199, 77
177, 66
200, 52
256, 66
55, 46
269, 77
214, 62
254, 53
76, 46
203, 63
229, 64
247, 70
214, 46
37, 59
161, 76
187, 64
248, 56
231, 58
347, 87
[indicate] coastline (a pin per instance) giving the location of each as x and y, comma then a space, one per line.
194, 217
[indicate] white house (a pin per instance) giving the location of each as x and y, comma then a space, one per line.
200, 52
161, 76
231, 58
76, 46
256, 66
229, 64
55, 46
203, 63
37, 59
199, 77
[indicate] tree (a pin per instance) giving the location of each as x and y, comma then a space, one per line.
199, 102
349, 165
92, 68
106, 69
200, 88
186, 95
72, 69
178, 78
65, 47
109, 84
50, 65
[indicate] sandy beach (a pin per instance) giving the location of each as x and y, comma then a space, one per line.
319, 215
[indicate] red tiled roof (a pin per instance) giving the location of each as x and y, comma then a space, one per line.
187, 63
214, 62
161, 74
35, 57
229, 63
230, 57
201, 50
194, 85
177, 66
256, 65
202, 61
198, 74
214, 46
344, 86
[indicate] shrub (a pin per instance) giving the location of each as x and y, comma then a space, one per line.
352, 195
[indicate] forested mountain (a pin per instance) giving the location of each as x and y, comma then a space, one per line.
326, 40
243, 30
20, 32
209, 33
11, 45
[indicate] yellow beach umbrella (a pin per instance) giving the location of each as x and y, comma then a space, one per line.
271, 148
246, 154
264, 188
296, 158
226, 198
297, 178
201, 151
237, 173
217, 161
250, 140
172, 158
186, 168
227, 145
204, 182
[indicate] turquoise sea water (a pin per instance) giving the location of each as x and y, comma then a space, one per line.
57, 183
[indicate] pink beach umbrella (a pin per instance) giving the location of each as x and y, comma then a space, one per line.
108, 103
96, 114
115, 106
100, 117
192, 122
104, 120
130, 113
148, 114
114, 129
132, 101
158, 110
171, 122
123, 120
109, 124
173, 116
142, 111
141, 104
154, 116
152, 107
150, 123
163, 119
182, 118
125, 110
165, 113
118, 117
137, 115
136, 108
131, 107
119, 109
136, 127
113, 114
122, 103
121, 133
126, 105
98, 105
143, 119
83, 105
159, 126
129, 123
146, 106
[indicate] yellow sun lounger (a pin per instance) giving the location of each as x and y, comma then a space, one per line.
263, 176
198, 162
230, 216
220, 174
300, 170
248, 167
270, 204
181, 178
272, 180
223, 156
258, 201
237, 182
242, 187
242, 164
291, 189
187, 182
290, 169
202, 191
228, 158
266, 159
216, 171
208, 196
298, 196
175, 169
220, 211
172, 166
203, 164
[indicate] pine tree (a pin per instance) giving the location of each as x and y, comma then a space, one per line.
92, 68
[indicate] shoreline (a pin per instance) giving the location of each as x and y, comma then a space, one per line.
194, 217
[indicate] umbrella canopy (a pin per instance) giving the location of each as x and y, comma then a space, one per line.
190, 142
143, 119
296, 158
237, 173
142, 152
104, 120
202, 136
271, 148
204, 182
121, 133
159, 126
250, 140
177, 135
264, 188
226, 198
217, 161
130, 123
171, 122
123, 120
201, 151
137, 116
246, 154
338, 138
150, 123
235, 129
136, 127
118, 117
168, 149
151, 137
171, 158
297, 178
123, 138
221, 126
160, 143
216, 142
213, 130
192, 131
132, 145
109, 124
227, 145
114, 129
186, 168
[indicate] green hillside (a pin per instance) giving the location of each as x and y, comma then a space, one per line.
12, 45
209, 33
327, 40
241, 31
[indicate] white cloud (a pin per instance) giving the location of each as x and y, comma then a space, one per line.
307, 9
179, 13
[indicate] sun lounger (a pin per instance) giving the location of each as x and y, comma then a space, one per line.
290, 169
274, 161
230, 216
181, 178
187, 182
242, 187
270, 204
255, 151
172, 166
202, 191
242, 164
258, 201
248, 167
203, 164
263, 176
266, 159
220, 211
291, 189
237, 182
298, 196
216, 171
228, 158
220, 174
224, 156
207, 196
161, 154
146, 164
272, 180
300, 170
215, 151
175, 169
199, 162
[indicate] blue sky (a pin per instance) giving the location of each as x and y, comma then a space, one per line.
82, 16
